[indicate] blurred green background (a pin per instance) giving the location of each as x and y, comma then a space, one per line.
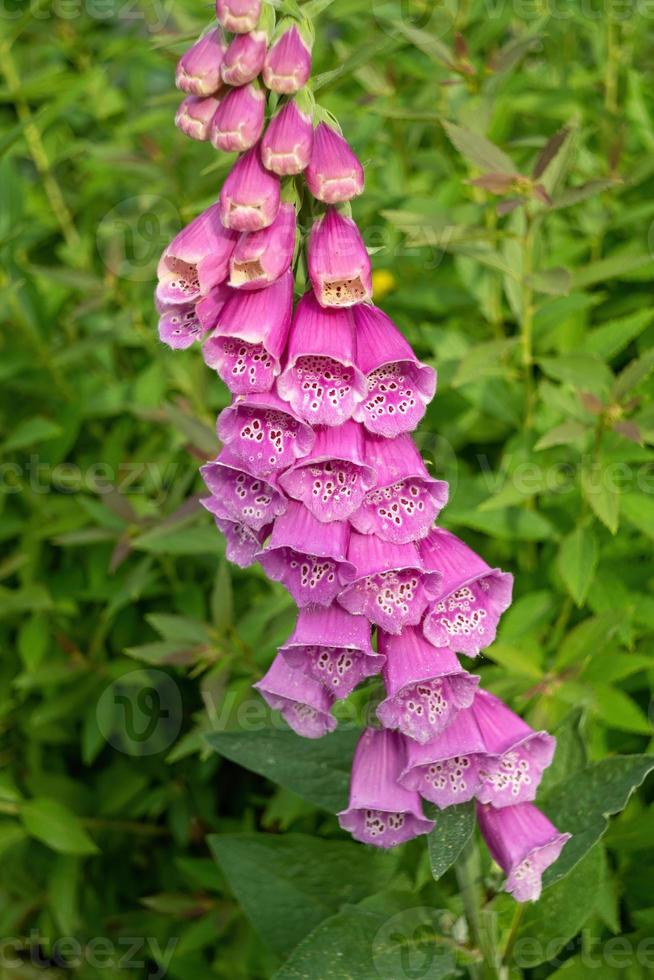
127, 640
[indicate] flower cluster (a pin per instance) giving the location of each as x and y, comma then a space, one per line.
319, 479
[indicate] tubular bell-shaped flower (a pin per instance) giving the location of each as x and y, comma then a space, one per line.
304, 703
406, 500
445, 770
321, 379
307, 557
399, 386
242, 542
333, 647
334, 173
262, 430
332, 480
246, 346
238, 16
198, 70
249, 198
523, 842
208, 308
381, 811
179, 326
245, 497
238, 122
425, 687
196, 260
287, 65
339, 265
473, 595
287, 141
244, 58
391, 587
263, 256
194, 116
516, 754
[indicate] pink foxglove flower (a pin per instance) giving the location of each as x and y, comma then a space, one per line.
244, 58
238, 122
198, 70
406, 500
264, 432
425, 687
473, 595
381, 811
209, 307
246, 346
249, 199
242, 542
445, 770
391, 587
332, 480
524, 843
339, 265
304, 703
399, 386
286, 144
194, 115
245, 497
334, 174
333, 647
321, 379
516, 754
196, 260
307, 557
179, 326
238, 16
263, 256
288, 62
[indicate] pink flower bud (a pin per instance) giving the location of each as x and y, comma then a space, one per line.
286, 144
239, 16
288, 63
198, 70
238, 122
334, 174
196, 260
339, 265
263, 256
249, 199
194, 116
244, 58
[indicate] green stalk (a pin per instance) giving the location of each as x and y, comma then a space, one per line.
468, 873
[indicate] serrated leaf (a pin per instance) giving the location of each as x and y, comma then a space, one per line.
585, 371
562, 435
56, 826
591, 636
553, 282
577, 562
634, 374
603, 498
618, 710
614, 267
479, 150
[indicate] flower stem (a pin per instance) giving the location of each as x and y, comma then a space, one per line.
527, 317
468, 873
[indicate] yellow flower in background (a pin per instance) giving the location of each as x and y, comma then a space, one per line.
383, 282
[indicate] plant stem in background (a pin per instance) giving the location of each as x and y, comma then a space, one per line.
527, 318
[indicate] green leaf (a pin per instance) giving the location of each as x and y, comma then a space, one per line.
484, 361
56, 826
189, 541
574, 195
591, 636
603, 497
634, 374
29, 432
509, 523
288, 884
610, 338
584, 371
179, 628
583, 803
577, 562
614, 267
317, 770
479, 150
453, 829
570, 755
618, 710
638, 508
553, 282
562, 435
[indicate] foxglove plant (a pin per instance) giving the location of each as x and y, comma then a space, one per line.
319, 479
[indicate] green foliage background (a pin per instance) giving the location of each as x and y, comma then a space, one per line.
219, 848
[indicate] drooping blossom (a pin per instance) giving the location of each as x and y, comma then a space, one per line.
391, 587
473, 595
198, 70
247, 343
238, 16
333, 647
406, 500
304, 702
321, 379
242, 542
261, 257
194, 116
339, 265
238, 122
333, 478
250, 196
287, 141
307, 557
247, 498
264, 432
243, 59
524, 843
208, 308
399, 386
334, 173
380, 810
287, 65
425, 687
196, 260
179, 326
